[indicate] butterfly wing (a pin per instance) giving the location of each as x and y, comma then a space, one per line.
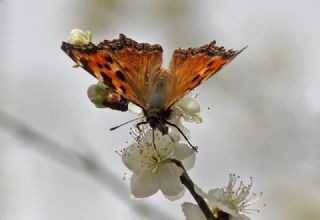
122, 64
142, 60
190, 67
116, 102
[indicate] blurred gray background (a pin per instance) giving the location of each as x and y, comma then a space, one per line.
57, 155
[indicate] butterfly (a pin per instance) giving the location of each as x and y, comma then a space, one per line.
134, 71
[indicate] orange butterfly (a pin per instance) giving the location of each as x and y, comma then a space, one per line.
133, 70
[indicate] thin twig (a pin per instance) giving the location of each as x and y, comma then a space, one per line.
188, 183
85, 163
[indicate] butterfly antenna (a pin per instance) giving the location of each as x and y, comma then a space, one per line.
111, 129
195, 148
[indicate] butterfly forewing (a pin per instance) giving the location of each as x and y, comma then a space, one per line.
189, 67
122, 64
141, 60
102, 64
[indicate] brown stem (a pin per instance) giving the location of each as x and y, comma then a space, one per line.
188, 183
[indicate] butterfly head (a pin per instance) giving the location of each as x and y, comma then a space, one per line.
156, 118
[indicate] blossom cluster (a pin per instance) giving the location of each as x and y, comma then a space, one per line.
150, 157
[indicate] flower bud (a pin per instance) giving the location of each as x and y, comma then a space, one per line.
104, 97
97, 94
79, 37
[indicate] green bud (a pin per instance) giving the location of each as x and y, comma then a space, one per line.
97, 94
79, 37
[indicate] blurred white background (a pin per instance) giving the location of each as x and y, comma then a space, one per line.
263, 121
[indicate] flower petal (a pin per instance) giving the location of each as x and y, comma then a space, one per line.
185, 154
186, 108
176, 196
193, 118
192, 211
199, 191
216, 199
162, 139
240, 217
144, 184
170, 183
189, 105
133, 159
134, 108
215, 194
185, 130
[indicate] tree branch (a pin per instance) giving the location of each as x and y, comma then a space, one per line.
188, 183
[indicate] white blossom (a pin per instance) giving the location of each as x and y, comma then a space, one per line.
79, 37
187, 108
149, 160
231, 200
135, 109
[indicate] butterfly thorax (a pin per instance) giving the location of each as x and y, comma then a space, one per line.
157, 117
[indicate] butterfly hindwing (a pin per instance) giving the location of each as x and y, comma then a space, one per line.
189, 67
116, 102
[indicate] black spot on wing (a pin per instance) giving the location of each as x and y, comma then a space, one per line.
66, 48
123, 89
107, 80
99, 65
84, 64
195, 78
109, 59
91, 51
107, 66
120, 75
208, 70
71, 55
209, 64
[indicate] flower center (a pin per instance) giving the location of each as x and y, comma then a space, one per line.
154, 158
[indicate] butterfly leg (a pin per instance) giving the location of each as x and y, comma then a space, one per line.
195, 148
166, 129
162, 128
139, 124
